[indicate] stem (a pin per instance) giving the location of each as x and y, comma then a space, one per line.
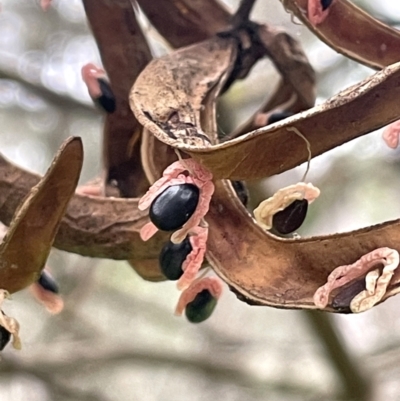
355, 385
243, 12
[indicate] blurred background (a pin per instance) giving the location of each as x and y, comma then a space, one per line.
117, 338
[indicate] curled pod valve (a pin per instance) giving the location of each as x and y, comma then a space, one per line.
172, 257
174, 206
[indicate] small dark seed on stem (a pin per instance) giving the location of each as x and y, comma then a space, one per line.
291, 218
172, 257
107, 99
278, 116
241, 191
325, 4
201, 307
174, 207
4, 337
341, 301
48, 283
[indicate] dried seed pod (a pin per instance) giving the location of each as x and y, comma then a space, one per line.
172, 257
5, 336
278, 116
291, 218
201, 307
48, 282
174, 206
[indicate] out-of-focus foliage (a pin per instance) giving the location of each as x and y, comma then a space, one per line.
118, 338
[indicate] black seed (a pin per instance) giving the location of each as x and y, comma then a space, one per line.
278, 116
325, 4
48, 282
171, 258
4, 337
107, 98
201, 307
241, 191
341, 301
174, 207
291, 218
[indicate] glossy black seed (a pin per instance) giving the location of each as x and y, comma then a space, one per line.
48, 283
241, 191
172, 257
325, 4
341, 301
4, 337
201, 307
278, 116
291, 218
107, 98
174, 207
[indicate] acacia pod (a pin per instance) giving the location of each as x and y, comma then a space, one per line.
201, 307
172, 257
291, 218
174, 206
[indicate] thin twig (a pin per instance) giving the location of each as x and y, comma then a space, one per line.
355, 384
243, 12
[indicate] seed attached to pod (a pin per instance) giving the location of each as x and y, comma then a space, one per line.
5, 336
325, 4
174, 206
48, 283
278, 116
201, 307
291, 218
107, 99
241, 191
341, 302
172, 257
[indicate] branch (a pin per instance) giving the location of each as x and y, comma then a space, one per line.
93, 226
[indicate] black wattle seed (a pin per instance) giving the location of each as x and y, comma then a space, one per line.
241, 191
278, 116
325, 4
341, 301
48, 283
172, 257
201, 307
291, 218
107, 99
4, 337
174, 207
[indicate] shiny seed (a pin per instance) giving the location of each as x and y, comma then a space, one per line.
107, 99
174, 207
278, 116
291, 218
4, 337
201, 307
325, 4
48, 283
172, 257
241, 191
